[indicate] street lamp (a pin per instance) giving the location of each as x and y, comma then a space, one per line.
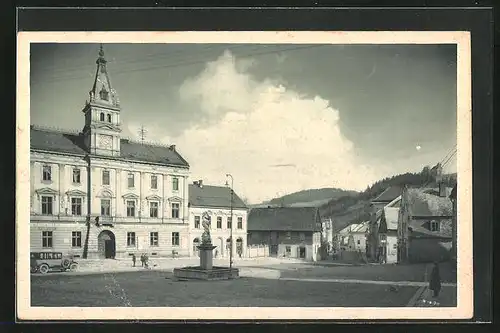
231, 230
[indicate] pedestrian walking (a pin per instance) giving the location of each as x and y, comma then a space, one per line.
133, 259
142, 260
435, 281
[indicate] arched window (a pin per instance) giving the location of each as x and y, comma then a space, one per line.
196, 243
109, 118
101, 116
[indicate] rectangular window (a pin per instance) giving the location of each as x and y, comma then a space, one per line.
105, 177
197, 222
219, 222
47, 239
288, 235
240, 223
130, 180
288, 250
76, 176
47, 173
153, 209
154, 182
153, 239
229, 223
175, 184
47, 203
175, 210
130, 208
359, 242
435, 226
105, 207
131, 239
175, 238
302, 237
76, 239
76, 206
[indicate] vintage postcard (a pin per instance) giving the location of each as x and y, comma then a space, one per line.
244, 175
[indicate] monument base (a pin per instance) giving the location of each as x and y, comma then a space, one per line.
206, 270
198, 273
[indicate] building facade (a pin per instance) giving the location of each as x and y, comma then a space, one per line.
292, 232
425, 225
95, 194
216, 201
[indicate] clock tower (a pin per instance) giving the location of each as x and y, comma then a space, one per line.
102, 114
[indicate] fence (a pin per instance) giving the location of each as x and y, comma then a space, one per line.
254, 251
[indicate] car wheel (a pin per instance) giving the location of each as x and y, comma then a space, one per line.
73, 267
33, 269
44, 268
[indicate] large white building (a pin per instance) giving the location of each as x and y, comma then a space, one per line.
97, 195
216, 201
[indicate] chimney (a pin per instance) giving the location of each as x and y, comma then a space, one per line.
172, 147
442, 190
200, 183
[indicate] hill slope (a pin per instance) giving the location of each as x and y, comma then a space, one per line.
308, 198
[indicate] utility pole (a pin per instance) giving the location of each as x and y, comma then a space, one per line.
231, 230
142, 133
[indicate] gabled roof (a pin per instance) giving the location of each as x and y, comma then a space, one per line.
425, 204
284, 219
213, 196
72, 143
360, 228
389, 220
389, 194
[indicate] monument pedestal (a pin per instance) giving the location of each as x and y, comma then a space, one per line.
206, 270
206, 256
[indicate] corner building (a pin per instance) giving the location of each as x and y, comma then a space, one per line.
97, 195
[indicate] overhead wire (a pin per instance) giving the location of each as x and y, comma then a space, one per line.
181, 64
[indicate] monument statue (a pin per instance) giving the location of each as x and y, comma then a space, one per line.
206, 221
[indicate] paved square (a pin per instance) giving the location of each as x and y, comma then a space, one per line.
155, 288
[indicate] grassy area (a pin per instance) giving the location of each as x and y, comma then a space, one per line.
153, 288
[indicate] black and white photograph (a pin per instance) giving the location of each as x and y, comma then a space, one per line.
244, 173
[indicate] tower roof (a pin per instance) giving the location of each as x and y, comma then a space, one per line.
102, 92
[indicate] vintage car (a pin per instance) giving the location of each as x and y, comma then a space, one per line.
44, 262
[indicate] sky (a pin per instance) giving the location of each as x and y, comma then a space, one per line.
279, 118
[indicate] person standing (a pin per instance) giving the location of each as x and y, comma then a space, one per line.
133, 259
435, 281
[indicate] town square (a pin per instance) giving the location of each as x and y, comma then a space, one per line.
219, 175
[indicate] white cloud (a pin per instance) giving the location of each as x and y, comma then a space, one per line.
271, 139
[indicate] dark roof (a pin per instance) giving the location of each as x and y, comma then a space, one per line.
284, 219
428, 205
389, 194
72, 143
213, 196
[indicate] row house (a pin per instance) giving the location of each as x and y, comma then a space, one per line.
97, 195
223, 206
425, 224
292, 232
377, 205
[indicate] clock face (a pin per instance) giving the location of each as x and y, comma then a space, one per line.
105, 141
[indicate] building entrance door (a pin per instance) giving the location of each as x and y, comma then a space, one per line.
302, 252
273, 250
106, 244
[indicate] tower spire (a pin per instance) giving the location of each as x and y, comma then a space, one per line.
102, 91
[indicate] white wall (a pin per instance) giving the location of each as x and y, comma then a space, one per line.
219, 236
